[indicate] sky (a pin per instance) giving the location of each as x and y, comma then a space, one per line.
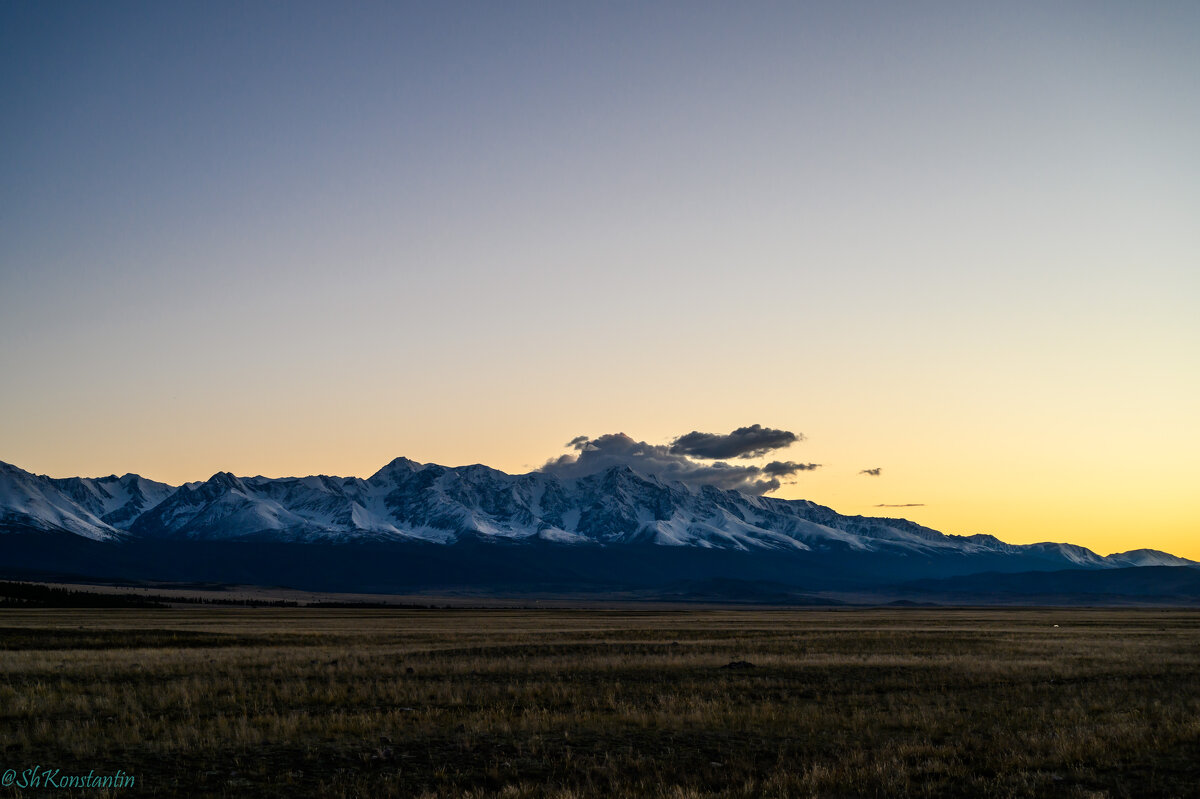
957, 243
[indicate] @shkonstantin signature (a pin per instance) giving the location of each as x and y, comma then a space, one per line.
40, 777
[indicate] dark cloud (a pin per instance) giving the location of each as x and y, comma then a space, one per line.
788, 468
617, 449
905, 505
878, 470
745, 442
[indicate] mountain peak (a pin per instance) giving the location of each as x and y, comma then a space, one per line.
623, 472
401, 464
225, 480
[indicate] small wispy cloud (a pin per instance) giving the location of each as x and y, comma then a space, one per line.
905, 505
878, 470
788, 468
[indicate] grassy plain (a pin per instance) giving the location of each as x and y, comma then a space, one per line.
566, 703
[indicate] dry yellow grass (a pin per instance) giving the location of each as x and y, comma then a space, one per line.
292, 702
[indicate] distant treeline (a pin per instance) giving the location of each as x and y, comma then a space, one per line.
31, 595
387, 605
27, 595
241, 603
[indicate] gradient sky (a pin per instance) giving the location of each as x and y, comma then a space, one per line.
956, 241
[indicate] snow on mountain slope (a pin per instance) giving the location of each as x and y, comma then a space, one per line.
1147, 557
406, 501
27, 500
116, 501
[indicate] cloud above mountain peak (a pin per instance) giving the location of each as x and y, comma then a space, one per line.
679, 460
745, 442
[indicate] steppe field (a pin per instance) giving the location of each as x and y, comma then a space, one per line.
285, 702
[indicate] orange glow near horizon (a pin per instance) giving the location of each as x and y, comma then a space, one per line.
1107, 505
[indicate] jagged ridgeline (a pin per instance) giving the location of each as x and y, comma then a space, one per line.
414, 524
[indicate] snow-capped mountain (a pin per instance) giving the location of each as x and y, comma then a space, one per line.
29, 501
116, 501
408, 502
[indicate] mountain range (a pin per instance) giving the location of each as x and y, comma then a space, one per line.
414, 526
